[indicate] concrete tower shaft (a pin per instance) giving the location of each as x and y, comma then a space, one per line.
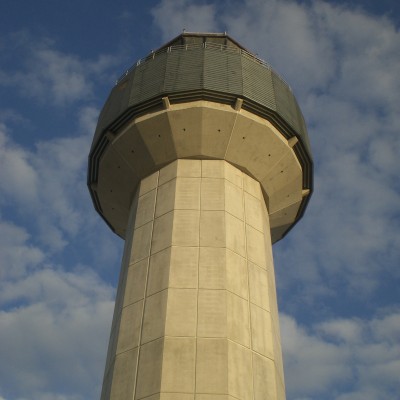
200, 161
196, 314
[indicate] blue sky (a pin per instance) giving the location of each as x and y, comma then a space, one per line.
337, 271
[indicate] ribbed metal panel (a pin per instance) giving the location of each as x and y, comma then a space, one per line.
184, 70
257, 82
234, 73
117, 101
222, 71
189, 40
148, 79
286, 105
137, 82
303, 128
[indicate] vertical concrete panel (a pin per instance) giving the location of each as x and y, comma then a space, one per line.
238, 319
212, 318
212, 366
184, 267
240, 380
233, 175
212, 194
187, 195
264, 377
149, 370
178, 365
145, 210
258, 286
261, 333
124, 375
159, 271
212, 263
233, 199
181, 318
162, 234
235, 236
255, 246
154, 316
212, 229
135, 282
236, 274
186, 228
129, 332
166, 197
141, 242
254, 214
213, 168
189, 168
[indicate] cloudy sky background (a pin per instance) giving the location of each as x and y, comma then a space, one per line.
338, 271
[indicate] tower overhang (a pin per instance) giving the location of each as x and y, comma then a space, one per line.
201, 96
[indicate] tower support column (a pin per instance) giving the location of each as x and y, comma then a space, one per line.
196, 314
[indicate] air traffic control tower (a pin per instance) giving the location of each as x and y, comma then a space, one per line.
200, 161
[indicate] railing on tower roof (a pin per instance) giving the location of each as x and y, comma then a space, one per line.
205, 45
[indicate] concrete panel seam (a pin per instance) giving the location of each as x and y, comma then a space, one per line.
248, 291
198, 284
144, 300
230, 136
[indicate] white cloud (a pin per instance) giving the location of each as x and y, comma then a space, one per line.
63, 74
88, 120
49, 75
58, 339
44, 189
17, 254
350, 353
48, 184
387, 328
54, 322
369, 48
342, 330
289, 36
312, 365
174, 16
17, 176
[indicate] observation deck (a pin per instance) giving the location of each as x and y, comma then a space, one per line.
201, 96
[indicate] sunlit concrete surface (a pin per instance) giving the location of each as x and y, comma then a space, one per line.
196, 313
